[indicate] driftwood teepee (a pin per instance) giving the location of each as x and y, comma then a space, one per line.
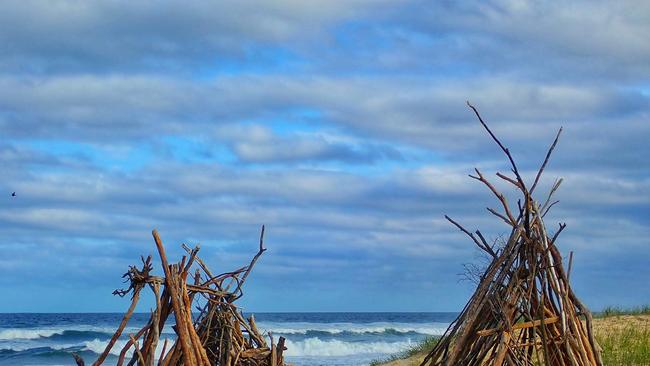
524, 311
218, 335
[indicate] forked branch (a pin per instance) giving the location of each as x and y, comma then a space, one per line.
511, 219
505, 149
483, 244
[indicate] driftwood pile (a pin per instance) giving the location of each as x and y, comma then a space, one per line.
218, 335
524, 311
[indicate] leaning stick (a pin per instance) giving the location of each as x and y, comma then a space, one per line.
548, 155
120, 329
505, 149
483, 246
511, 220
171, 283
250, 266
128, 345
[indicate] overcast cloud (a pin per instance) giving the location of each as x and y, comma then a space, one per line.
341, 125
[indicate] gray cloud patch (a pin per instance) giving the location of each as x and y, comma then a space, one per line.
69, 36
258, 144
341, 125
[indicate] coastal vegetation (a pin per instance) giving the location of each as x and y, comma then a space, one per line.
610, 311
417, 352
622, 333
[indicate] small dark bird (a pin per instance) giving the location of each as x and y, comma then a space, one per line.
13, 194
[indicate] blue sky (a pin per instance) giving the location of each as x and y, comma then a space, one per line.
341, 125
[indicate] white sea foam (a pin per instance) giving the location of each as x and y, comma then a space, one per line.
13, 347
19, 333
338, 328
9, 334
317, 347
24, 346
98, 347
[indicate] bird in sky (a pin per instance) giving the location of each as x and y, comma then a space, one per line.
13, 194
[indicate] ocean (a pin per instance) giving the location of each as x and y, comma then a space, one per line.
313, 339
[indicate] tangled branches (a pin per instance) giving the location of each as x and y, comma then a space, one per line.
218, 335
523, 311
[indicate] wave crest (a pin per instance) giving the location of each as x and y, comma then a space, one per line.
17, 333
435, 329
335, 347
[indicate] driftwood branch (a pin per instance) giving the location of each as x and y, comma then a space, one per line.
483, 245
505, 149
250, 266
511, 219
548, 155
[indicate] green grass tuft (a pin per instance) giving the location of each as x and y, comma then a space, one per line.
617, 311
625, 347
622, 344
425, 345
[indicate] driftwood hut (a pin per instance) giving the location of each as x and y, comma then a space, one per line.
212, 334
523, 311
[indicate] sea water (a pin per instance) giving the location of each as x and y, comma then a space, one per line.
313, 339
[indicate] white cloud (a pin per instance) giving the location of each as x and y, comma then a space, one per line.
340, 124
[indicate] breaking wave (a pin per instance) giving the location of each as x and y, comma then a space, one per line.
78, 332
316, 329
335, 347
18, 333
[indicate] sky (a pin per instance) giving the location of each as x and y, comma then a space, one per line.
340, 125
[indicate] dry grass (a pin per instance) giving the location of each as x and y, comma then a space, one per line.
410, 357
624, 339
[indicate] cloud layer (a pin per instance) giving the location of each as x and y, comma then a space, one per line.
341, 125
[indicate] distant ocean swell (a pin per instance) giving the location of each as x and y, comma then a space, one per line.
338, 329
315, 330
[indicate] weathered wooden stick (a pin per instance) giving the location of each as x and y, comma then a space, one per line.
281, 348
256, 333
137, 349
78, 360
128, 345
505, 150
250, 266
118, 332
172, 284
483, 245
534, 323
511, 220
162, 353
548, 155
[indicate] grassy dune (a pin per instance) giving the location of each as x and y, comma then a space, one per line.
623, 335
624, 339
